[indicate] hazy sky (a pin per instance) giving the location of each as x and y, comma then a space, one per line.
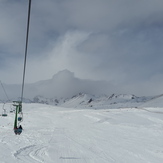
120, 41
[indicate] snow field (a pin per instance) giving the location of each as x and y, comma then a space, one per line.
67, 135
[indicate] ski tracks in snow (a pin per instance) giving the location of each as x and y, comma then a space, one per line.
31, 153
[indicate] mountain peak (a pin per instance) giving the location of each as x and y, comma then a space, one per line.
64, 74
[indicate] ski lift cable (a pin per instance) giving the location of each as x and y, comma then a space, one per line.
26, 48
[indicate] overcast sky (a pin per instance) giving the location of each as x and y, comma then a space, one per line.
120, 41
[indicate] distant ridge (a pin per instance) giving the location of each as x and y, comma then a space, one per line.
105, 101
82, 100
113, 101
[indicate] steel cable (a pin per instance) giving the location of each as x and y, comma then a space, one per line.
26, 48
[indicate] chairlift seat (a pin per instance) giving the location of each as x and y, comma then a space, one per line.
4, 115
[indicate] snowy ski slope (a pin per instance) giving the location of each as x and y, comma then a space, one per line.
66, 135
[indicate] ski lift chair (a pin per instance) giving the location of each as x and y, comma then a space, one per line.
18, 130
4, 115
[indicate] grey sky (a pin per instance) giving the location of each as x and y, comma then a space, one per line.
117, 41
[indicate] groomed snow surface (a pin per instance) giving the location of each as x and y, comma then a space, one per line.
67, 135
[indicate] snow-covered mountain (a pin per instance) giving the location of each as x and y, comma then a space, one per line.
113, 101
64, 90
104, 101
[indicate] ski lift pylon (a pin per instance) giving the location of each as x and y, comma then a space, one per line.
4, 114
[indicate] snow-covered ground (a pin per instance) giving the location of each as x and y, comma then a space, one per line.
67, 135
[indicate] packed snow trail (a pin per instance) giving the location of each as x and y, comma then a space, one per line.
60, 135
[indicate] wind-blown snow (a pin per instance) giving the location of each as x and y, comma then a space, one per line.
67, 135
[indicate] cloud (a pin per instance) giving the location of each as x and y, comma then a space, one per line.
63, 84
12, 29
117, 41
